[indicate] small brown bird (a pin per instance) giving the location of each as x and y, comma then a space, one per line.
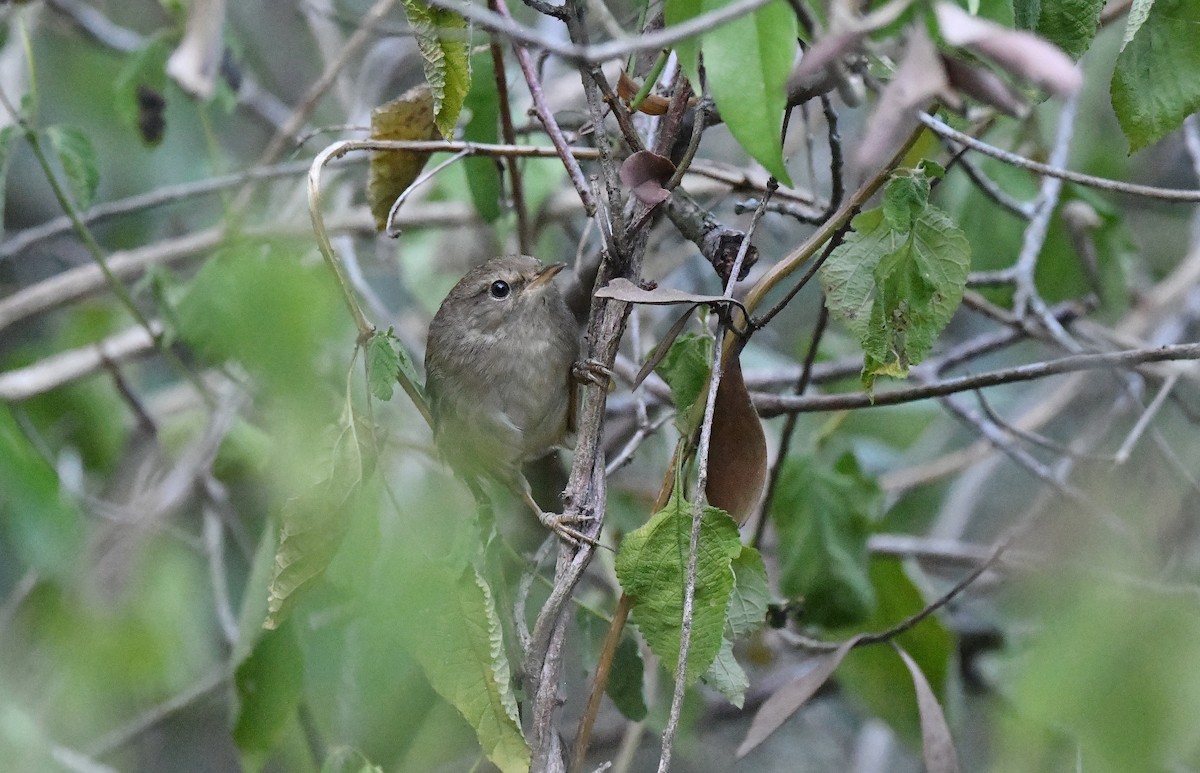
499, 366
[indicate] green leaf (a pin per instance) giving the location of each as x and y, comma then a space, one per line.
1026, 13
1156, 83
269, 683
687, 51
451, 628
8, 137
874, 675
896, 288
144, 68
40, 528
383, 364
79, 162
747, 62
748, 602
625, 680
726, 675
652, 568
1069, 24
685, 369
483, 174
445, 54
904, 199
823, 517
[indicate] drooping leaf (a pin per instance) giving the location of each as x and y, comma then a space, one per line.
748, 602
937, 746
625, 680
445, 54
685, 369
652, 568
269, 683
747, 63
408, 117
1156, 83
737, 457
647, 173
79, 162
483, 102
788, 699
726, 675
823, 517
1021, 53
450, 626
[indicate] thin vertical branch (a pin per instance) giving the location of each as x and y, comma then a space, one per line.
517, 185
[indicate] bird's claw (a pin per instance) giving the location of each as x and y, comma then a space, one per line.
592, 372
560, 525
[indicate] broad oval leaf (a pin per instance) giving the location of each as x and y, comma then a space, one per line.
1156, 83
737, 458
408, 117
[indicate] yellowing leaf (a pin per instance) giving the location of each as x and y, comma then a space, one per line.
408, 117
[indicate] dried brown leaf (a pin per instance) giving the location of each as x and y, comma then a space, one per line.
646, 174
737, 458
1021, 53
652, 104
918, 79
936, 742
788, 699
837, 44
985, 86
408, 117
621, 289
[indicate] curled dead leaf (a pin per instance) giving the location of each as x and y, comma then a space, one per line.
985, 86
647, 174
408, 117
652, 104
737, 458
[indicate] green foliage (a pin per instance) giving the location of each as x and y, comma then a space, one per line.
383, 364
897, 278
746, 62
823, 517
1156, 83
685, 369
8, 138
652, 568
874, 675
445, 54
483, 101
625, 680
36, 520
144, 68
450, 626
79, 162
747, 611
1069, 24
269, 685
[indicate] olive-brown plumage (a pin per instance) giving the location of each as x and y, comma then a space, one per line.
498, 367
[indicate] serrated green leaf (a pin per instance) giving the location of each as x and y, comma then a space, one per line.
904, 199
685, 369
748, 602
823, 518
1069, 24
918, 286
269, 683
747, 63
652, 568
1156, 83
451, 628
383, 364
625, 685
79, 162
483, 174
727, 676
445, 55
1026, 13
8, 138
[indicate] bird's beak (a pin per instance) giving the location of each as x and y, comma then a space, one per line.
544, 276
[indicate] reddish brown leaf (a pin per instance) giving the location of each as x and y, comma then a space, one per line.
788, 699
918, 79
987, 87
1021, 53
737, 458
937, 745
646, 173
408, 117
652, 104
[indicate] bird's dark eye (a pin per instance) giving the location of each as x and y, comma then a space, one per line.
499, 289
